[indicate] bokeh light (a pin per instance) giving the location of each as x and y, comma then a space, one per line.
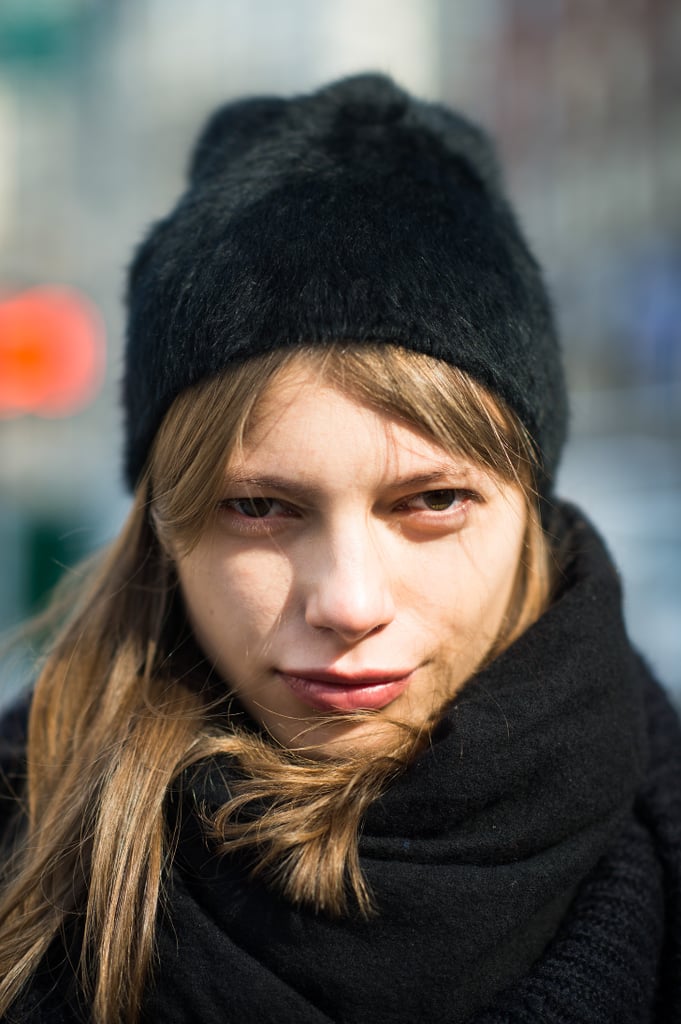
52, 347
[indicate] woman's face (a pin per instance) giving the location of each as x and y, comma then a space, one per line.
353, 564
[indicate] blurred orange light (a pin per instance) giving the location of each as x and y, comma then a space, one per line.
52, 347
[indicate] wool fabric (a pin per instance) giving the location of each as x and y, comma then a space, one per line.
357, 213
527, 867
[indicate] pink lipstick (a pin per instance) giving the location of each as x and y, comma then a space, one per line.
335, 691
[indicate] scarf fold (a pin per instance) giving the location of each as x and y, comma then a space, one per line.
516, 878
617, 955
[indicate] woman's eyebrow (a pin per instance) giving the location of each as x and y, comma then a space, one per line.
268, 482
271, 482
445, 473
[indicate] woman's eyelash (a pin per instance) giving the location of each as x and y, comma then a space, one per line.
440, 501
252, 507
443, 499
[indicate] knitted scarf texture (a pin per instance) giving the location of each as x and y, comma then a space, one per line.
526, 867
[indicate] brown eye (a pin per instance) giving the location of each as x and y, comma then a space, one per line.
254, 508
440, 501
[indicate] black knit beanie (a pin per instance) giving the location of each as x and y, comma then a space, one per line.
355, 214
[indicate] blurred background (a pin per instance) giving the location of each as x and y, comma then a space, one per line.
100, 101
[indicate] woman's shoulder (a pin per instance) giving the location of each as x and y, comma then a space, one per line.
663, 720
660, 798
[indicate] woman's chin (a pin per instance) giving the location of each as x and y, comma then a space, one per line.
345, 736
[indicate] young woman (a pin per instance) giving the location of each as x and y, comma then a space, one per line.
345, 725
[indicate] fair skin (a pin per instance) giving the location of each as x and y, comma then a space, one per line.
353, 565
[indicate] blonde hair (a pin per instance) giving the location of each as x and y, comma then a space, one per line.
125, 703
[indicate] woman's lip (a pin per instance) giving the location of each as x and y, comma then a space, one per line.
332, 691
366, 677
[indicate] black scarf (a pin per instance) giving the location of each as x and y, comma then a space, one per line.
509, 865
527, 867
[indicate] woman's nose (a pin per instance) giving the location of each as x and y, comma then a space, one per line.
351, 591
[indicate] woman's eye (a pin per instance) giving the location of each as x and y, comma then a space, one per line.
438, 501
253, 508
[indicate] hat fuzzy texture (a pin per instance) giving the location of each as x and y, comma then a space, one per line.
356, 214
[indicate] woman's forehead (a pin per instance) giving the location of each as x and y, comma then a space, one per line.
306, 428
305, 403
